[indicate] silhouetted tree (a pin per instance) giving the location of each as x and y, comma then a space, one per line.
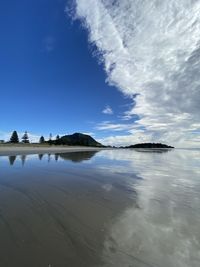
25, 138
50, 139
14, 137
57, 142
42, 140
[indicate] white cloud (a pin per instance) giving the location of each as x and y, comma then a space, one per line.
4, 135
125, 140
107, 110
107, 125
151, 48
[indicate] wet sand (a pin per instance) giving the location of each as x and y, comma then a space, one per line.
57, 214
109, 208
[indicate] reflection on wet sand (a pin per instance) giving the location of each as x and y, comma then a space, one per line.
12, 159
56, 157
123, 209
40, 156
78, 156
58, 215
165, 230
72, 156
153, 150
23, 159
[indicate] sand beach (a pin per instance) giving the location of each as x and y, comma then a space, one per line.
21, 149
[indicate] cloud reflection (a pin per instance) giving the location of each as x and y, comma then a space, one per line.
164, 231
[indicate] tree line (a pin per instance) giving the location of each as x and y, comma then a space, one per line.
57, 141
25, 139
76, 139
15, 139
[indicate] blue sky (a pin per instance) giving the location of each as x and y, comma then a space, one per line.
50, 82
146, 88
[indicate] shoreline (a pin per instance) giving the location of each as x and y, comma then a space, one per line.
11, 150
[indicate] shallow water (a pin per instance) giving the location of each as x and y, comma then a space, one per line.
117, 208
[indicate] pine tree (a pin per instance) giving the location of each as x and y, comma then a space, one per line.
25, 138
42, 140
50, 139
57, 140
14, 137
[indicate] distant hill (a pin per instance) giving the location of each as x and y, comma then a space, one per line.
79, 139
150, 145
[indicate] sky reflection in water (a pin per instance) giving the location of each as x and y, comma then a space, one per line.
108, 208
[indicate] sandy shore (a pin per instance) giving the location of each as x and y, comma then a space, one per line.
9, 150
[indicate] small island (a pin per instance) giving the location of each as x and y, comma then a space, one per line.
150, 145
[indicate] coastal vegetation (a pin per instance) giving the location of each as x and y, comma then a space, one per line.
77, 139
